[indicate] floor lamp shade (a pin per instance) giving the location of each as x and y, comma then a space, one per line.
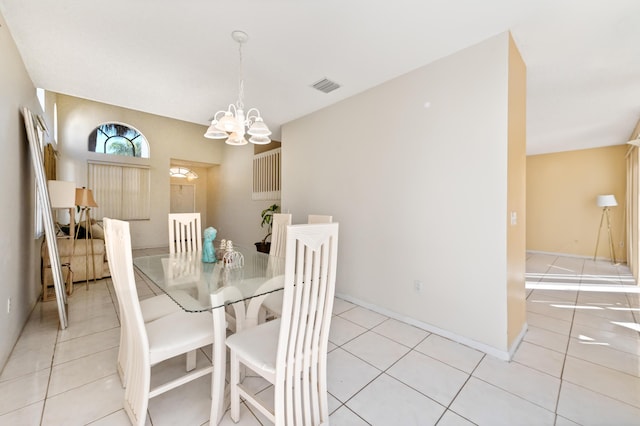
606, 200
84, 198
62, 194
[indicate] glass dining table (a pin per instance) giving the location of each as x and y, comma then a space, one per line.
241, 280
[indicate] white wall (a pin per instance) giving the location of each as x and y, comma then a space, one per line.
19, 251
420, 193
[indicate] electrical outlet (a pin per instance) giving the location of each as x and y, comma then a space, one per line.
621, 243
9, 305
417, 286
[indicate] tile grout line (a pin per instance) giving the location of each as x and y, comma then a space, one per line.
566, 351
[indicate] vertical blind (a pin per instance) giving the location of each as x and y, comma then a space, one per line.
121, 191
266, 175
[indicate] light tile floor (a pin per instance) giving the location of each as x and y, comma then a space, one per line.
579, 363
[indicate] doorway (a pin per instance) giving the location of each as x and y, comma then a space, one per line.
183, 198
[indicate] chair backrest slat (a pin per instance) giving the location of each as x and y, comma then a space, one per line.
118, 245
319, 218
279, 223
310, 273
185, 232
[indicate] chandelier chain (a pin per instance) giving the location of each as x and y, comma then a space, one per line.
240, 103
234, 123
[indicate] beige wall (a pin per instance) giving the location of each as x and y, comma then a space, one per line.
168, 139
237, 215
19, 250
201, 189
516, 193
562, 216
420, 193
225, 171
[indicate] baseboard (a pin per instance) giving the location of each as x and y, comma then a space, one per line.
490, 350
519, 339
577, 256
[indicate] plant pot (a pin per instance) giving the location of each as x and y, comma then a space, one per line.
263, 247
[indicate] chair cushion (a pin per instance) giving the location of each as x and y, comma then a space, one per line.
257, 346
157, 306
178, 333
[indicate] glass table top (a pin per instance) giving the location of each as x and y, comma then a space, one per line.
190, 282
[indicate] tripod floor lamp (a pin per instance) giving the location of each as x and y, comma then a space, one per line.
84, 200
62, 196
606, 202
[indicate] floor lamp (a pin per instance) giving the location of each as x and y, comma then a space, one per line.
62, 196
606, 202
84, 200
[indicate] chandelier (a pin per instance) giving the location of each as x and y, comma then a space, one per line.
233, 123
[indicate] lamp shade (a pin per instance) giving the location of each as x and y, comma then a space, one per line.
606, 200
62, 194
259, 128
214, 133
84, 198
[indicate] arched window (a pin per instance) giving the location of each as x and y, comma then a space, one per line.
183, 172
118, 139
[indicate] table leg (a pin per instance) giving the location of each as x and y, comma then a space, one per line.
220, 347
219, 365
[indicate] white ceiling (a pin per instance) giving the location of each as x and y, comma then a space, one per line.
177, 59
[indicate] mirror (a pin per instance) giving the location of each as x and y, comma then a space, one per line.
47, 216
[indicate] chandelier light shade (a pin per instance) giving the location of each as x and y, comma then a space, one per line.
233, 124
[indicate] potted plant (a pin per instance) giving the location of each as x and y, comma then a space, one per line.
267, 217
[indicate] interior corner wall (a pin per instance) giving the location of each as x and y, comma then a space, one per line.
237, 214
515, 216
562, 216
213, 184
168, 138
415, 172
201, 190
19, 250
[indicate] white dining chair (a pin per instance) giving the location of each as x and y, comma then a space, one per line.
277, 250
291, 352
272, 305
149, 344
185, 232
152, 308
319, 218
279, 233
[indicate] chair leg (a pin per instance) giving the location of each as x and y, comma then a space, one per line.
45, 291
69, 280
234, 380
191, 360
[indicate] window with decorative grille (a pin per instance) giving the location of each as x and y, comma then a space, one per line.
266, 175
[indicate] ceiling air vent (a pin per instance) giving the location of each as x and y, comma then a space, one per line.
325, 85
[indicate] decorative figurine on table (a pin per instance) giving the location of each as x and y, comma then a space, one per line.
208, 251
232, 259
221, 251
